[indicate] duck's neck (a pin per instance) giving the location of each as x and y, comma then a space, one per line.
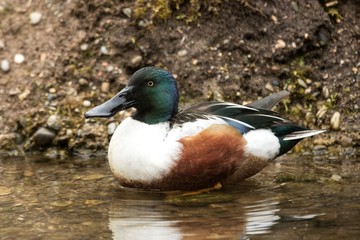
153, 117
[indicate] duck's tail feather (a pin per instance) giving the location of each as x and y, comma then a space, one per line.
270, 101
298, 135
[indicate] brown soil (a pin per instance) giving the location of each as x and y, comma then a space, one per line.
225, 50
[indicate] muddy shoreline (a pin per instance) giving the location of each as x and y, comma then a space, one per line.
79, 53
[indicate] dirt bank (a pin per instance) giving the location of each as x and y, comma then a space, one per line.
81, 52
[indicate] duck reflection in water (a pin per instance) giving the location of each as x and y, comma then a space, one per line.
233, 218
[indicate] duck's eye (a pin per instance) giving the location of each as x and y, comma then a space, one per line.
150, 83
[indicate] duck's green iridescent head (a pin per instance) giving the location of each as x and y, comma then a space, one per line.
152, 91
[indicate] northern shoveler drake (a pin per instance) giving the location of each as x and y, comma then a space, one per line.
164, 148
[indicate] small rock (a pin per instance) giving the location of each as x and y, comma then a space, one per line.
309, 117
19, 58
35, 18
335, 121
86, 103
301, 83
5, 65
14, 91
52, 90
319, 150
84, 47
275, 68
63, 141
321, 112
53, 122
83, 82
325, 92
24, 94
182, 53
5, 190
69, 132
43, 137
142, 23
127, 12
346, 141
275, 83
105, 87
295, 6
269, 87
111, 128
324, 141
280, 44
2, 44
274, 19
135, 61
103, 50
110, 68
335, 177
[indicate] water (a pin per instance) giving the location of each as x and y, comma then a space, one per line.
297, 197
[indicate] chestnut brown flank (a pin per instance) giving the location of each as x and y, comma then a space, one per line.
208, 158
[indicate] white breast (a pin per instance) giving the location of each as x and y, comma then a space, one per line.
143, 152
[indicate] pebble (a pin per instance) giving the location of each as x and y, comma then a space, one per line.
182, 53
325, 92
309, 117
83, 82
275, 83
346, 141
269, 87
321, 112
135, 61
274, 19
302, 83
104, 50
35, 18
127, 12
280, 44
110, 68
19, 58
319, 150
335, 121
52, 90
335, 177
53, 122
84, 47
295, 6
51, 97
43, 137
2, 44
105, 87
111, 128
5, 65
86, 103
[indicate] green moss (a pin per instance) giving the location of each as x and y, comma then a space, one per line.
301, 71
287, 177
162, 10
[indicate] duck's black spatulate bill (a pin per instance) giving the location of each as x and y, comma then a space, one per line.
120, 101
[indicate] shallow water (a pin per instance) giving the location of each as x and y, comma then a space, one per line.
297, 197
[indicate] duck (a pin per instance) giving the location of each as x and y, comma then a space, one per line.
164, 148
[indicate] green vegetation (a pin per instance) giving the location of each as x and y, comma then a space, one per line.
330, 8
162, 10
300, 82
